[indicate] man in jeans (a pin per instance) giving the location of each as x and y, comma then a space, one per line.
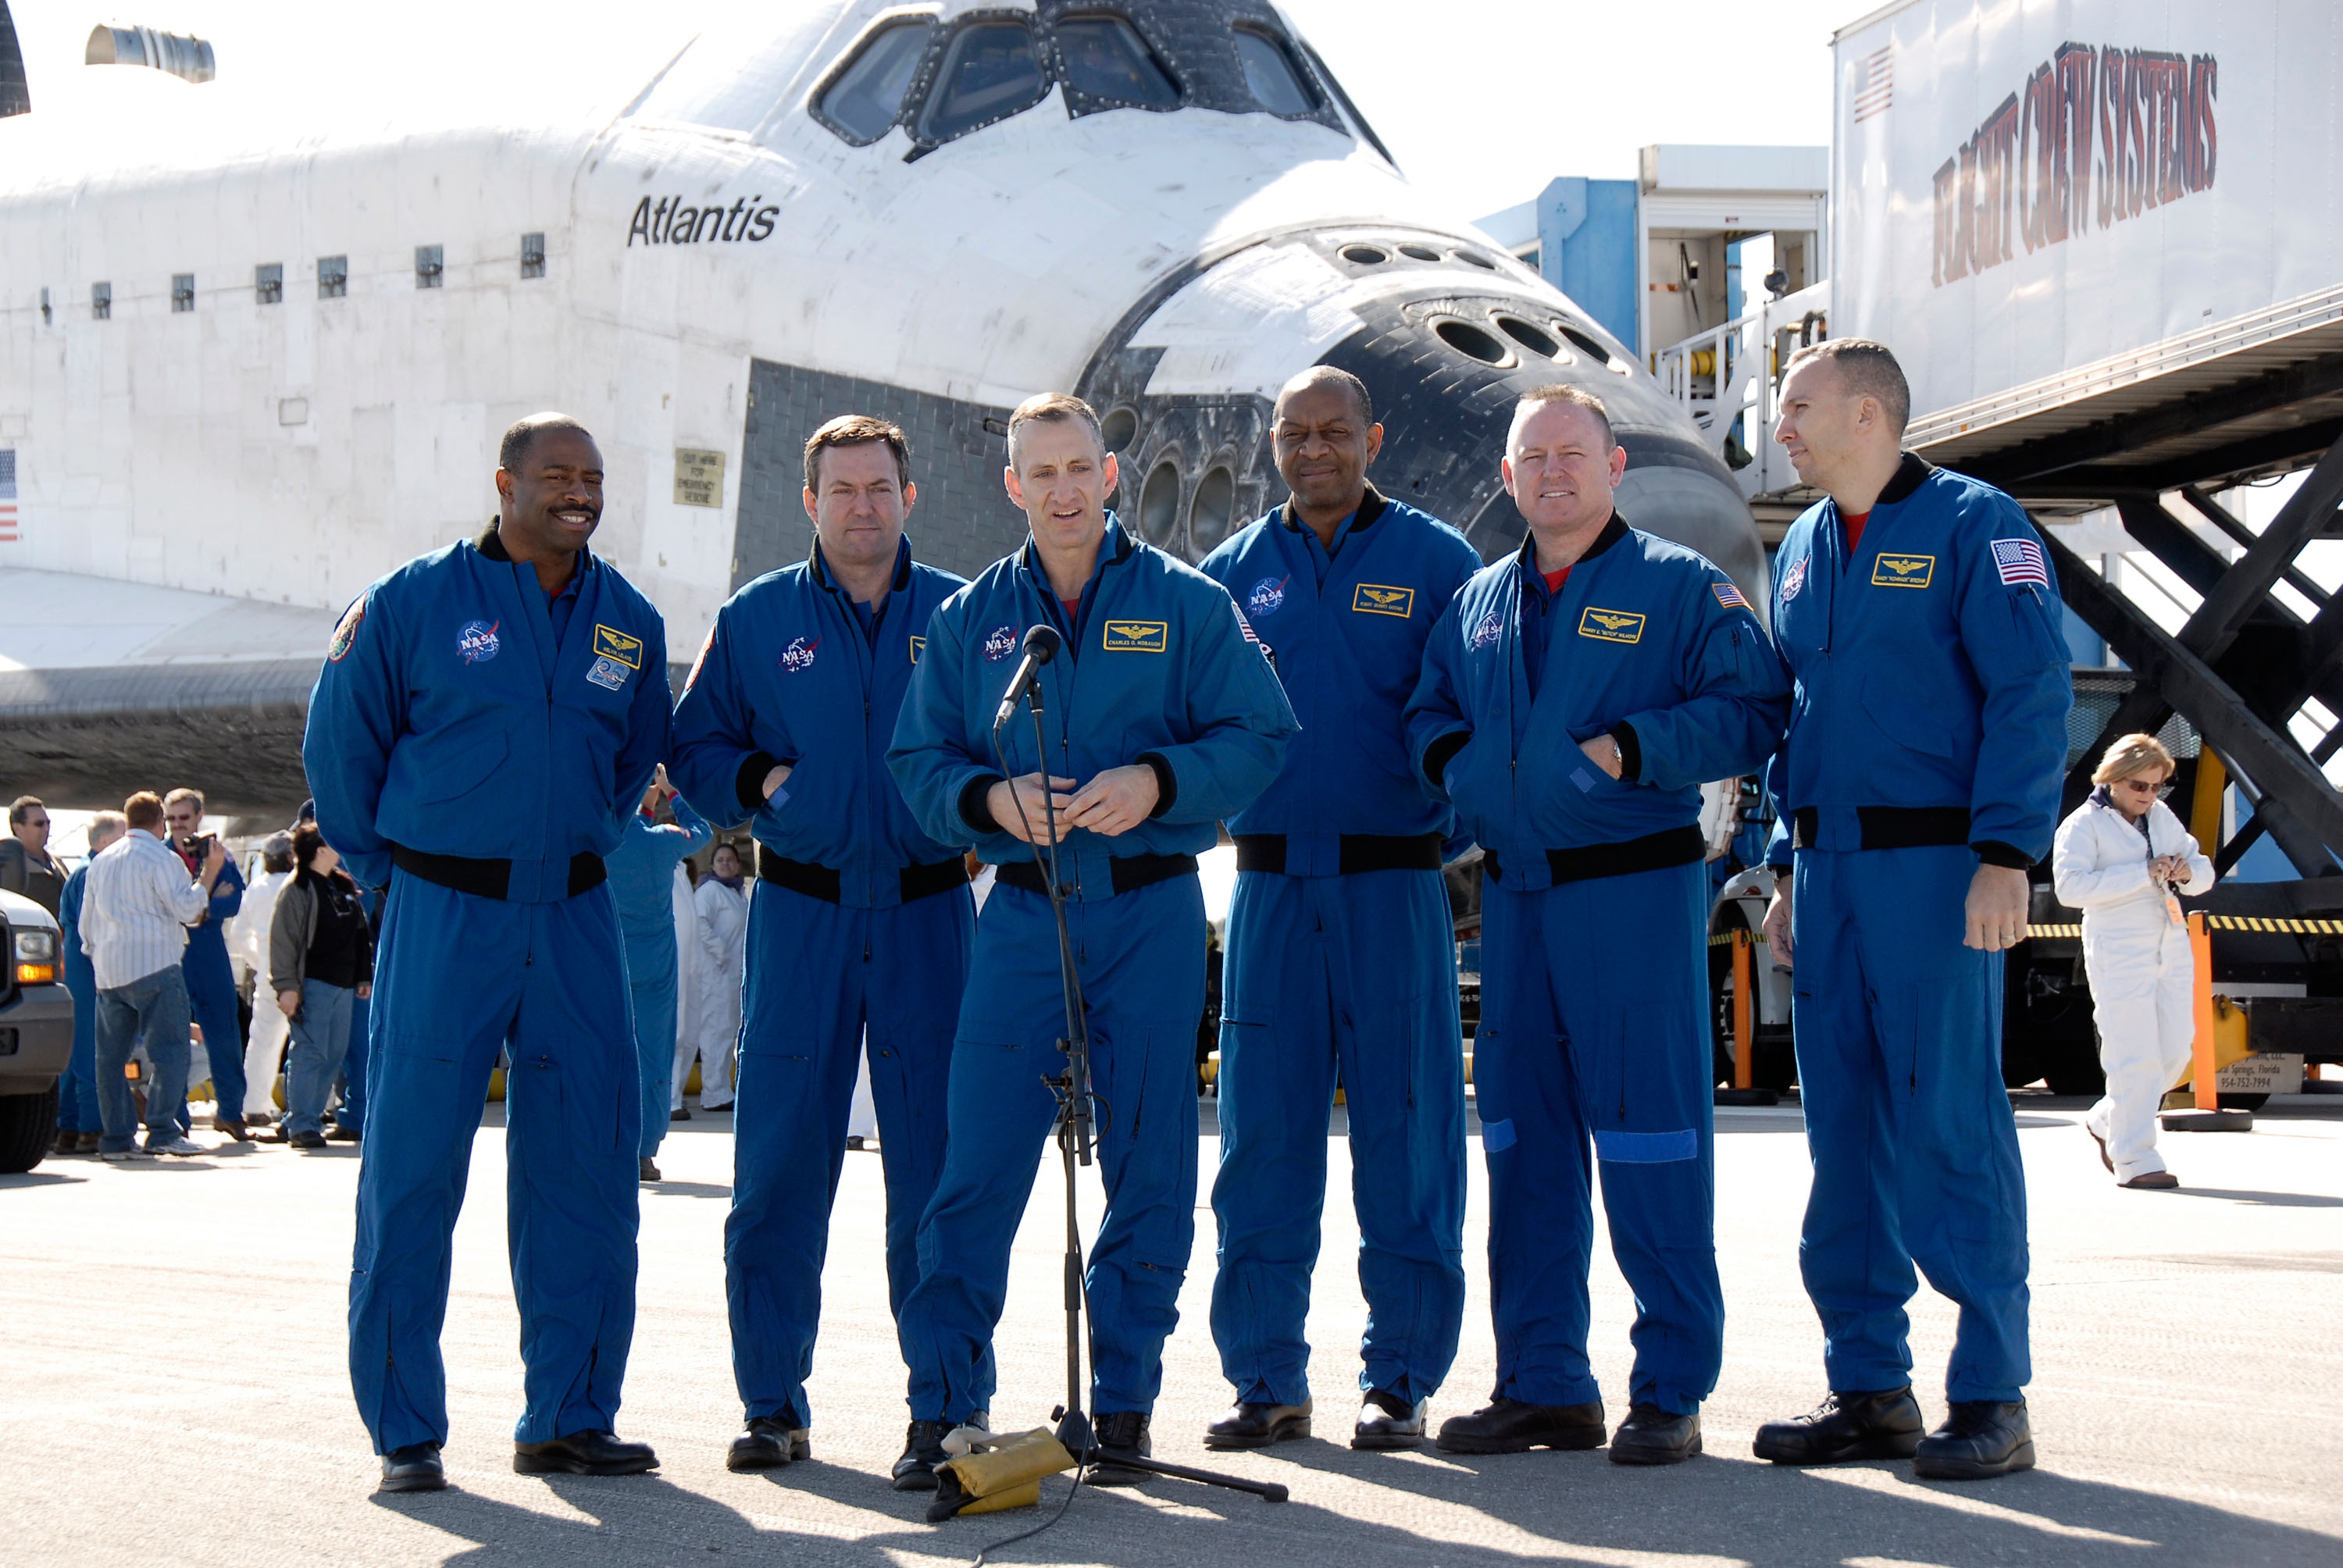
137, 907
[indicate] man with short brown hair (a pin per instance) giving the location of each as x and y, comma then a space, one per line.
1918, 782
1574, 699
861, 923
1160, 717
137, 907
26, 865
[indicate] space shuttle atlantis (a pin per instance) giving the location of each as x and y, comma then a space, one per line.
249, 365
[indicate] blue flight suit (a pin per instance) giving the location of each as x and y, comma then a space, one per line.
861, 922
1342, 963
1159, 669
1928, 734
475, 748
357, 1061
211, 990
1594, 918
642, 880
77, 1090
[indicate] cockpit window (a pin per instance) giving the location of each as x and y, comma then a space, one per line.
1274, 78
991, 71
1318, 64
1105, 57
864, 99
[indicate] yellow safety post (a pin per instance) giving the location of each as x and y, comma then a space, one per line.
1743, 1069
2200, 946
2205, 811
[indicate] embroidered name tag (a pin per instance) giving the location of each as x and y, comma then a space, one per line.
619, 647
1377, 599
919, 647
1904, 571
1136, 636
1611, 625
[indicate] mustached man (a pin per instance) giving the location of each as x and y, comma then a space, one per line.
486, 716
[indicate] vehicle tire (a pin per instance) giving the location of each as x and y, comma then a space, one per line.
29, 1126
2072, 1077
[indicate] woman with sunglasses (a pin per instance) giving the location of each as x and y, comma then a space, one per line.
2124, 859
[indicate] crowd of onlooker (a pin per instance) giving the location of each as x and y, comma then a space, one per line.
170, 948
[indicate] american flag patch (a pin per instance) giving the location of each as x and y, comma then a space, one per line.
1728, 596
1245, 626
2020, 563
8, 494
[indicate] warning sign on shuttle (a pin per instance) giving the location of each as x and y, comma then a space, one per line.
698, 478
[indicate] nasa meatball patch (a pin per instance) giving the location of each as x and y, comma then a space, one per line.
1268, 596
1000, 643
797, 658
346, 634
1794, 579
478, 642
1484, 631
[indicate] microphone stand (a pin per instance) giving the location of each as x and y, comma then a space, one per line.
1073, 1133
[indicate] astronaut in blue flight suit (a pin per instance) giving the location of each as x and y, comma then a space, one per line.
1919, 779
642, 881
861, 923
1161, 716
486, 715
1341, 946
1574, 698
211, 978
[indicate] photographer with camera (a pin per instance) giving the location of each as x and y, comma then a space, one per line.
211, 978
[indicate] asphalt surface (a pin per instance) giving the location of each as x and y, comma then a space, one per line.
175, 1388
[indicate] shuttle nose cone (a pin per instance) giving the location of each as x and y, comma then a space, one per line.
1446, 339
1444, 387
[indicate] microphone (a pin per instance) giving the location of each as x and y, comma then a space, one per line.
1041, 646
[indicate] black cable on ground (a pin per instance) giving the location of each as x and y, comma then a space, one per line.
1080, 1470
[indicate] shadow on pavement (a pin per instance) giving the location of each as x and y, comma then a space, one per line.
1732, 1507
40, 1179
1568, 1508
2265, 1200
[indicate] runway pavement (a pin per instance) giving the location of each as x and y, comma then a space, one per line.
175, 1388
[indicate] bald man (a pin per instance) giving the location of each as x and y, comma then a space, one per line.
486, 716
1341, 955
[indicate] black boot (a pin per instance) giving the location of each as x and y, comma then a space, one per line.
769, 1443
1122, 1434
1259, 1425
923, 1450
1978, 1440
1651, 1435
1883, 1424
1387, 1422
415, 1468
1510, 1426
584, 1453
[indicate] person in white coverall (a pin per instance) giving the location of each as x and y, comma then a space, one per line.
247, 949
723, 903
2123, 858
